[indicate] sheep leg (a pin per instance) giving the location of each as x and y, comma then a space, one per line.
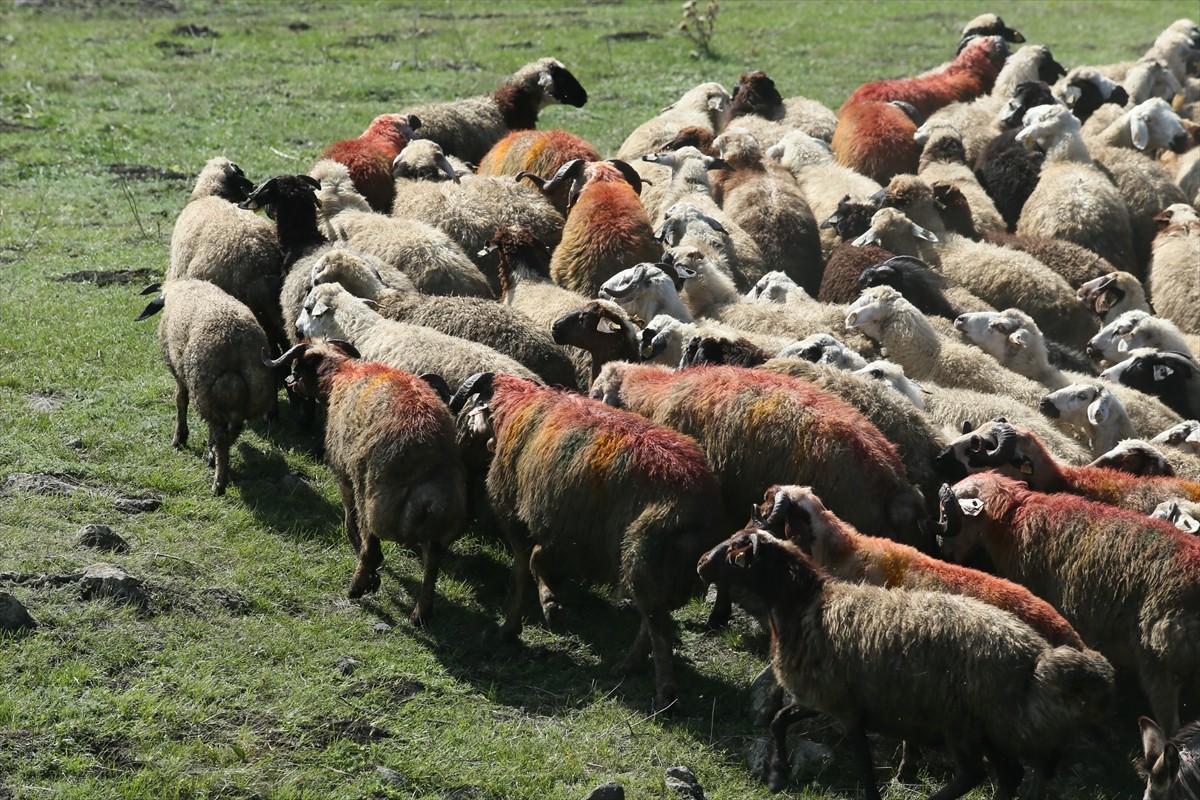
1163, 692
541, 567
518, 579
778, 768
433, 552
910, 757
637, 652
220, 452
351, 515
662, 640
722, 609
181, 406
1039, 776
366, 576
968, 774
1009, 773
862, 751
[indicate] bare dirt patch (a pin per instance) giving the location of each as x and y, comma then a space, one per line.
108, 277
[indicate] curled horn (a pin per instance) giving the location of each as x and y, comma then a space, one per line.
479, 383
950, 523
780, 507
571, 170
287, 358
345, 347
913, 260
631, 175
668, 268
536, 180
1006, 446
639, 273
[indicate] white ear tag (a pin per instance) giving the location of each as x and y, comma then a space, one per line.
970, 506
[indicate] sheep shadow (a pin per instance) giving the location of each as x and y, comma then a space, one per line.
284, 499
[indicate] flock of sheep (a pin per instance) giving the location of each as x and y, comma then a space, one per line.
882, 328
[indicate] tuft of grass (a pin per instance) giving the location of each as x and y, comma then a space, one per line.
248, 674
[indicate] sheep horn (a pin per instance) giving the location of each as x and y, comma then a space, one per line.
151, 289
1004, 449
569, 171
345, 347
479, 383
151, 309
287, 358
780, 507
913, 260
950, 523
438, 384
630, 174
444, 164
536, 180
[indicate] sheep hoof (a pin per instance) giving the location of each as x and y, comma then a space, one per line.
510, 633
666, 701
420, 617
363, 584
179, 443
777, 778
557, 617
218, 489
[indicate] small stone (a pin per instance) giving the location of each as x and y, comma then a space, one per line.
102, 538
346, 666
766, 696
608, 791
390, 776
682, 781
808, 758
75, 444
109, 580
137, 505
381, 627
13, 616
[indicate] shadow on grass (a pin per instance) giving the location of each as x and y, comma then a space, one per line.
283, 499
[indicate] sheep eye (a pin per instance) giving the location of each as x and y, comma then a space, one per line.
1081, 396
876, 373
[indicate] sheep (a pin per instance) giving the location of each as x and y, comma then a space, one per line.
823, 182
722, 349
1181, 514
1015, 341
472, 209
876, 139
1006, 169
292, 200
1074, 199
606, 231
1173, 280
1173, 377
972, 73
1071, 552
735, 413
584, 491
1176, 46
826, 350
1084, 90
430, 257
705, 106
542, 153
1185, 436
213, 347
838, 648
765, 200
665, 338
499, 326
331, 311
1139, 457
214, 240
468, 128
1135, 329
846, 264
978, 120
910, 276
1112, 294
732, 250
952, 409
603, 329
1013, 451
389, 442
1095, 408
368, 158
943, 160
757, 106
999, 276
1171, 766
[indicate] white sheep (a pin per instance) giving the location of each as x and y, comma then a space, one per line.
1135, 329
705, 106
1173, 279
686, 225
1111, 295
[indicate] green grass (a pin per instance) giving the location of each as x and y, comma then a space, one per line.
228, 685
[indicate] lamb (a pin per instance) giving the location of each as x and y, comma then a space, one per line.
607, 229
468, 128
1071, 552
1139, 457
835, 646
389, 442
735, 414
331, 311
972, 73
1173, 377
1173, 280
765, 200
499, 326
1112, 294
588, 492
944, 160
705, 106
427, 255
1095, 408
876, 139
469, 210
952, 409
1135, 329
823, 182
1074, 199
542, 153
1015, 341
1171, 766
213, 346
1013, 451
368, 158
213, 240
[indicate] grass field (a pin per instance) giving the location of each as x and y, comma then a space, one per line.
247, 674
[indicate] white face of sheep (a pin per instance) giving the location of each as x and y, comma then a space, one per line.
642, 291
999, 334
1116, 339
893, 376
890, 224
1184, 436
1044, 125
1153, 125
1171, 511
798, 149
870, 311
317, 317
1084, 405
775, 287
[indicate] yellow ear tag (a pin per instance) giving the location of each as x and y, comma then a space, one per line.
1026, 468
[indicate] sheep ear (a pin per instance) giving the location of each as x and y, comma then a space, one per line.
1162, 372
870, 237
971, 506
1153, 739
921, 233
1019, 339
1188, 525
743, 557
545, 80
1139, 131
716, 103
318, 310
1099, 410
605, 325
775, 151
1071, 96
1123, 346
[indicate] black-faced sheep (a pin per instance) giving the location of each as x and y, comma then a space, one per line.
757, 105
389, 442
877, 659
1071, 552
469, 127
213, 346
587, 492
601, 328
1173, 377
943, 160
